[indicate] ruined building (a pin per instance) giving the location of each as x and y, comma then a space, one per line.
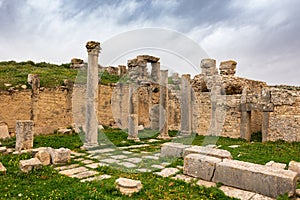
215, 102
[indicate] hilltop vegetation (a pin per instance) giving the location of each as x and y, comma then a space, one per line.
51, 75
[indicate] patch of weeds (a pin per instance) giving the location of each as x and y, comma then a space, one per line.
256, 137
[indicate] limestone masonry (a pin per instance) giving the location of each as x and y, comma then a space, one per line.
214, 102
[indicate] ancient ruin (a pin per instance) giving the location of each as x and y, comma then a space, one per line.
214, 102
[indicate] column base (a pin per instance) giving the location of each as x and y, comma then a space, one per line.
164, 137
87, 146
134, 138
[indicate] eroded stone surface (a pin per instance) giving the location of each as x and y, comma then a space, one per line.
30, 164
218, 153
59, 156
66, 167
295, 166
96, 178
70, 172
95, 165
200, 166
171, 149
237, 193
206, 183
44, 157
4, 133
257, 178
128, 186
24, 134
168, 172
84, 174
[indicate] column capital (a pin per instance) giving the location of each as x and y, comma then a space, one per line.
93, 47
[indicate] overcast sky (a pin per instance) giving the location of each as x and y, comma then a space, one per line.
261, 35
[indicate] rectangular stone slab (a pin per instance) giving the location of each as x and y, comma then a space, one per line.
171, 149
254, 177
208, 151
200, 166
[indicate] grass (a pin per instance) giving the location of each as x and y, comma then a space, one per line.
51, 75
48, 184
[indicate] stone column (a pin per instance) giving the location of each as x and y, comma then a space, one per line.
245, 129
91, 136
163, 101
186, 114
34, 81
133, 113
24, 134
267, 107
155, 72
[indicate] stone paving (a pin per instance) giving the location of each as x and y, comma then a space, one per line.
130, 158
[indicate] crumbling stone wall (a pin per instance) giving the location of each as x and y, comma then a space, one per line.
14, 106
284, 121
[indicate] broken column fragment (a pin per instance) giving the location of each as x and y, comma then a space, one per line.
24, 134
186, 105
163, 101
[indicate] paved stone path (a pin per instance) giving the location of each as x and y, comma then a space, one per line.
130, 158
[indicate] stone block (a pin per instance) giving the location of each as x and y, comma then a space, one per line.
24, 134
257, 178
200, 166
218, 153
30, 164
4, 133
59, 156
44, 157
2, 169
128, 186
294, 166
171, 149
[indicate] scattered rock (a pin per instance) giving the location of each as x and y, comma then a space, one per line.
44, 157
4, 133
59, 156
30, 164
140, 127
65, 131
7, 84
128, 186
3, 149
24, 87
100, 127
276, 165
294, 166
168, 172
2, 169
234, 146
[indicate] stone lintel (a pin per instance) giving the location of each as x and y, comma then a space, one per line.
247, 107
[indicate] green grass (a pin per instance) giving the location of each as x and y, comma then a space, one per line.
46, 183
51, 75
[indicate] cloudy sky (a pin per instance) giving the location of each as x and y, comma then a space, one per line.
261, 35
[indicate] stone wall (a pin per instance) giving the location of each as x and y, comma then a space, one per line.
15, 106
285, 119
